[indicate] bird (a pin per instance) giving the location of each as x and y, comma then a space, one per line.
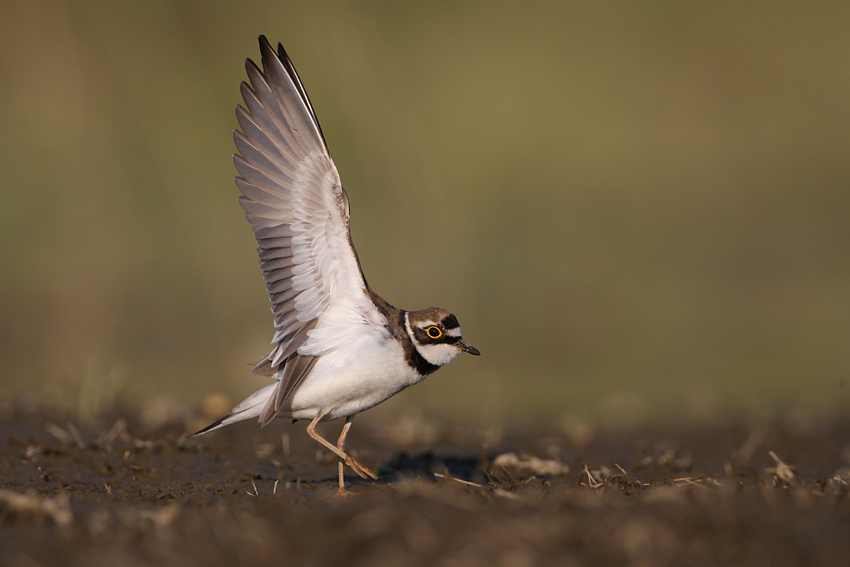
339, 348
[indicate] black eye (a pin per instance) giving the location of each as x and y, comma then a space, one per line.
434, 332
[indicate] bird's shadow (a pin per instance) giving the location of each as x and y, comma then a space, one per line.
430, 465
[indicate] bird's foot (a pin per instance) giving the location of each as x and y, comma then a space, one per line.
360, 469
342, 491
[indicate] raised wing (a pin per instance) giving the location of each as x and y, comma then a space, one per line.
294, 200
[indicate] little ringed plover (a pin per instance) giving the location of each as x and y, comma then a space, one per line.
339, 349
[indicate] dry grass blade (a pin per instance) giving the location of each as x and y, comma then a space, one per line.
58, 432
106, 439
781, 471
75, 433
687, 481
591, 482
461, 481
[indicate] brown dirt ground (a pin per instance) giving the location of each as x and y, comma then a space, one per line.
119, 491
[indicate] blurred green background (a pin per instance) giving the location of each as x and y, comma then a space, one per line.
635, 209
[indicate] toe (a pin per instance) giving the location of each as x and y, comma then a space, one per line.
360, 469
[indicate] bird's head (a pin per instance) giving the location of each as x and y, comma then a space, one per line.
436, 335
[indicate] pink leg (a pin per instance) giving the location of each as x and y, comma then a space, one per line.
340, 444
339, 449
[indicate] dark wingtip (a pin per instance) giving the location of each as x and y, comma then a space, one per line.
266, 48
212, 425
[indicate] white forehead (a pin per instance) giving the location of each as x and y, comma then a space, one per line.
453, 332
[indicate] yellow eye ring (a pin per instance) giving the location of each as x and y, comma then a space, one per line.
434, 332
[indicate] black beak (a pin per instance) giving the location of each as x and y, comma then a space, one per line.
467, 348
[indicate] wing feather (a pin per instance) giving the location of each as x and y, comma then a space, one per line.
293, 374
273, 145
272, 141
277, 231
294, 200
255, 177
277, 264
256, 155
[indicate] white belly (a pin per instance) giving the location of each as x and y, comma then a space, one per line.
352, 379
